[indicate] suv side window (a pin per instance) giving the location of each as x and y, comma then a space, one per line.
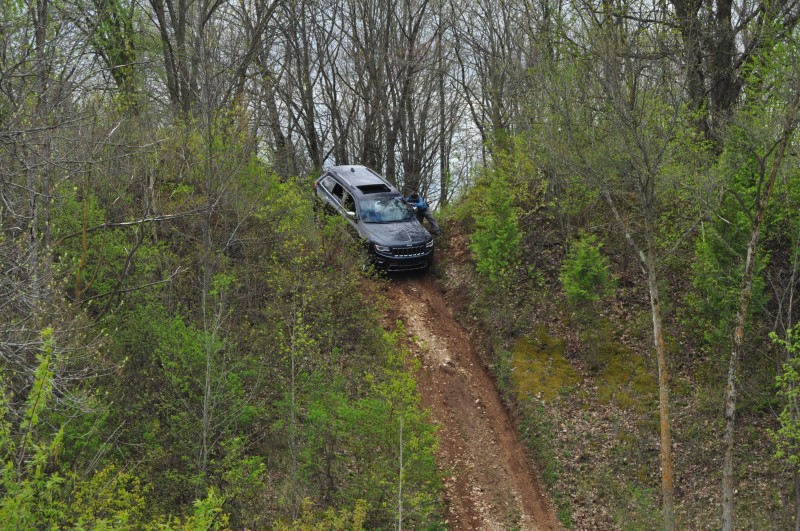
348, 203
338, 191
327, 182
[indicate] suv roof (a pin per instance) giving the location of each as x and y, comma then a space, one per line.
362, 180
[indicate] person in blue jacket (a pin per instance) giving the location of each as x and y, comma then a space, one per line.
423, 211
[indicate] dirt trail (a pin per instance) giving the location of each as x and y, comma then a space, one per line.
489, 484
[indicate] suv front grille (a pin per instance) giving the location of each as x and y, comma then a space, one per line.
417, 250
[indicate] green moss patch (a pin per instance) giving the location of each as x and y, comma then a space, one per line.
539, 367
626, 380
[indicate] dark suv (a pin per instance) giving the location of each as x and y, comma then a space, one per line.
377, 214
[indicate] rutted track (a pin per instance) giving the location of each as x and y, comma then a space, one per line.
489, 483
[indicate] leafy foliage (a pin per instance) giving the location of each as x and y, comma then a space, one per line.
329, 520
155, 214
351, 448
37, 489
722, 244
495, 242
512, 184
585, 272
787, 437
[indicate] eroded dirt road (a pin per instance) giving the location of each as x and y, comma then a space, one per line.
489, 483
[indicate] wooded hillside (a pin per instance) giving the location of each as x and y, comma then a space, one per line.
182, 346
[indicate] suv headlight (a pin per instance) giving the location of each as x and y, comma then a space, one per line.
382, 248
429, 244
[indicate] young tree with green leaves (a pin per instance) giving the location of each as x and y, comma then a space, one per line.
762, 144
495, 242
620, 126
39, 487
586, 278
585, 273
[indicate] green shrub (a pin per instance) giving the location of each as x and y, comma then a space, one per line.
585, 272
38, 489
495, 242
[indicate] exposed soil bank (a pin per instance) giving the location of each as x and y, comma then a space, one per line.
489, 482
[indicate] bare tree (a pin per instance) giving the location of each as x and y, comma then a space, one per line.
490, 41
47, 82
720, 39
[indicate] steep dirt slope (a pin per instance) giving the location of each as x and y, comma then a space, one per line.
489, 483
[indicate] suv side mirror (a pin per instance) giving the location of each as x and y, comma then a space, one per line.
350, 214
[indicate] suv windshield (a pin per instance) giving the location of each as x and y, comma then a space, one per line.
384, 210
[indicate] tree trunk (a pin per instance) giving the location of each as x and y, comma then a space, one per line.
667, 491
444, 137
691, 34
733, 367
207, 274
741, 321
308, 103
281, 151
648, 263
38, 156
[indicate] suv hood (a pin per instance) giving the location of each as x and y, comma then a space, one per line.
396, 234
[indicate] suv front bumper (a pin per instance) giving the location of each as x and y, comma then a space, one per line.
403, 258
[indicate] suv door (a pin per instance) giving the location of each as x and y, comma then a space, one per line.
338, 201
348, 209
349, 205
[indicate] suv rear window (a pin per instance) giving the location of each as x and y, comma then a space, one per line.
374, 188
